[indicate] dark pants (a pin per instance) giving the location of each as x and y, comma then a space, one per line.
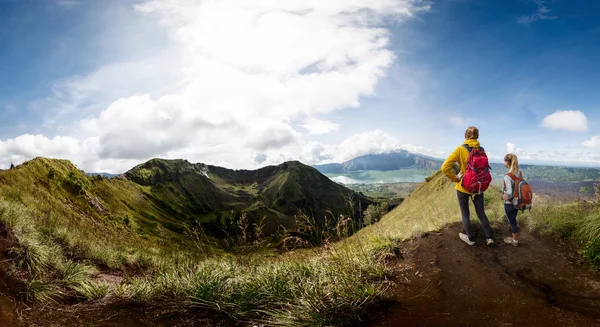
463, 202
511, 214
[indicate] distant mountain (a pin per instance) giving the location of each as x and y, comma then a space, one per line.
108, 175
382, 162
364, 169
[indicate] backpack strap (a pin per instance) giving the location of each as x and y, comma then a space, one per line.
471, 149
515, 178
515, 182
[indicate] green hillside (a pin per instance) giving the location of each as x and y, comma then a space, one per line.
192, 193
63, 229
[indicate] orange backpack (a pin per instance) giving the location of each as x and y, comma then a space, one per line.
522, 191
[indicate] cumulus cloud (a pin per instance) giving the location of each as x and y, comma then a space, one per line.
511, 147
233, 75
570, 120
365, 143
593, 142
318, 126
270, 135
373, 142
29, 146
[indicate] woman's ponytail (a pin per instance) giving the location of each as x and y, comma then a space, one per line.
513, 163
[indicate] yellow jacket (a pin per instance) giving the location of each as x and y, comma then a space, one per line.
460, 155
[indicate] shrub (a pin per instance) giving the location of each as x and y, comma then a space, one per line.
73, 184
375, 212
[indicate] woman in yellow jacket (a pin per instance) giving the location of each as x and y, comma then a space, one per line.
460, 155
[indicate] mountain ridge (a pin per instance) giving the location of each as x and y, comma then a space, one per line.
387, 161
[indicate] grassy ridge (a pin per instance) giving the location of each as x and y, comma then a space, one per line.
66, 228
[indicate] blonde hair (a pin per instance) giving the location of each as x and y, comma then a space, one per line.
472, 133
513, 163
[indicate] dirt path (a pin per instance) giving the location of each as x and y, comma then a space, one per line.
445, 282
121, 315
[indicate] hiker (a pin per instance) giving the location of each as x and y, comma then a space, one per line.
510, 201
461, 155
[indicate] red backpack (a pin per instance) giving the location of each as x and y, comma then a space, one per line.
521, 191
477, 177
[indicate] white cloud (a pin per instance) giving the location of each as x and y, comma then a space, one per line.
373, 142
570, 120
318, 126
27, 146
365, 143
347, 180
593, 142
542, 13
233, 76
315, 152
511, 147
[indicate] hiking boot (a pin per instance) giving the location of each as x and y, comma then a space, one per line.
511, 241
489, 241
465, 238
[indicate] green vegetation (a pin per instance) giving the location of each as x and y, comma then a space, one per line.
375, 212
578, 222
393, 192
64, 228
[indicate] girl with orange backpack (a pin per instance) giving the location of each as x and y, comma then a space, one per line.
510, 200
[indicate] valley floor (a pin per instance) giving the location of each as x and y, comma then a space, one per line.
444, 282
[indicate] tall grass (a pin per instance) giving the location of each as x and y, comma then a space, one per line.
330, 288
59, 252
577, 222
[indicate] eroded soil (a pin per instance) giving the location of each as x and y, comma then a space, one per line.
444, 282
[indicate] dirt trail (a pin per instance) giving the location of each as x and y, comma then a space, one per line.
444, 282
121, 315
7, 307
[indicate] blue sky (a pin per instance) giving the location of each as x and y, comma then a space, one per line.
245, 84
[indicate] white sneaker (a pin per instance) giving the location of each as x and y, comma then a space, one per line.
489, 241
465, 238
511, 241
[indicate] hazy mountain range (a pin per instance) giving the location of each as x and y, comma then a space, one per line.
399, 166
